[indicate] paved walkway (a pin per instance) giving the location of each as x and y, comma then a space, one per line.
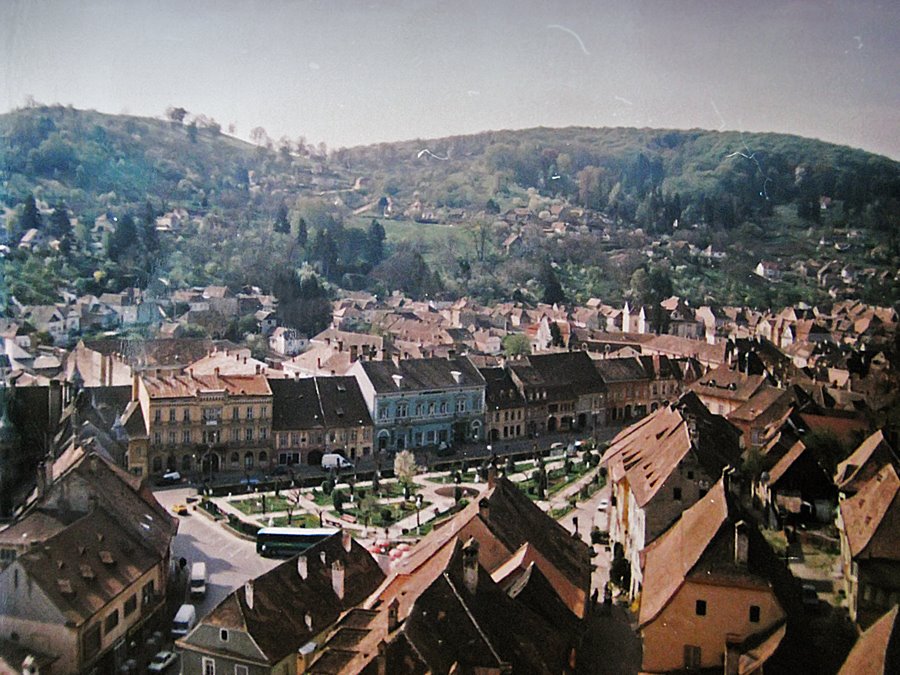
439, 504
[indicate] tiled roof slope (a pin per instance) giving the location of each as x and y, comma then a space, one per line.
648, 451
877, 651
871, 517
282, 598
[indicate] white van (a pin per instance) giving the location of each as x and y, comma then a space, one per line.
198, 579
333, 460
185, 619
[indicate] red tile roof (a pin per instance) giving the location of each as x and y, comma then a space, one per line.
871, 517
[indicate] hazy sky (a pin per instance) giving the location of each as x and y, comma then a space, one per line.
349, 73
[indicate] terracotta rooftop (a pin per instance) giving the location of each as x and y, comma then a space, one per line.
877, 651
871, 517
871, 455
184, 384
649, 450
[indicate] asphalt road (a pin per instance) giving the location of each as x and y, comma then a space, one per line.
230, 560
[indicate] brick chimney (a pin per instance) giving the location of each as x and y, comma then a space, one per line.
346, 540
484, 508
393, 615
492, 476
337, 578
248, 593
470, 565
302, 566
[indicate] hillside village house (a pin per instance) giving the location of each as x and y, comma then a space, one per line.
178, 420
421, 402
660, 466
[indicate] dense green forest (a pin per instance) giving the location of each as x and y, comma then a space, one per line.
427, 216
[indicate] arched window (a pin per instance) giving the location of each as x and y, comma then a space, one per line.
263, 458
235, 459
170, 463
157, 464
186, 463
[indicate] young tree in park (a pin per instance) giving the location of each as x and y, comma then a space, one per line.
405, 467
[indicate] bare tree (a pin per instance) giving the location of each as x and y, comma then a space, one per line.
293, 502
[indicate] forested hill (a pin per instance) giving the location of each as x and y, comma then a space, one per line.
105, 188
87, 159
724, 176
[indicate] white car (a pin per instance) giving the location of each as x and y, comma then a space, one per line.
161, 661
603, 504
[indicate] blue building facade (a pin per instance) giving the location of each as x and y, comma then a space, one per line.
422, 402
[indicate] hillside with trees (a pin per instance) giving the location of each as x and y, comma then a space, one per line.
638, 213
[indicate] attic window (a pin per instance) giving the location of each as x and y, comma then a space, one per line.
339, 412
86, 572
223, 635
106, 558
65, 587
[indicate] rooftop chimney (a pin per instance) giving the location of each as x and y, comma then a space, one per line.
307, 619
492, 476
346, 540
741, 543
248, 593
470, 565
217, 371
302, 566
337, 578
257, 369
484, 508
393, 615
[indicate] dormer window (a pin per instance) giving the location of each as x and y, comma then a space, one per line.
223, 635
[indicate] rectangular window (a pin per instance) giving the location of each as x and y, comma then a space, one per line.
263, 434
295, 439
157, 415
186, 437
157, 438
263, 412
91, 642
235, 413
754, 614
171, 414
691, 657
171, 438
235, 435
147, 593
208, 666
461, 405
240, 669
187, 415
676, 494
701, 608
402, 409
249, 435
130, 605
249, 413
111, 622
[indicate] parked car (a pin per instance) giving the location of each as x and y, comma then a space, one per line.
252, 480
170, 478
181, 510
333, 460
162, 661
603, 504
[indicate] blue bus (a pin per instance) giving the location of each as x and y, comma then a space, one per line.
287, 541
